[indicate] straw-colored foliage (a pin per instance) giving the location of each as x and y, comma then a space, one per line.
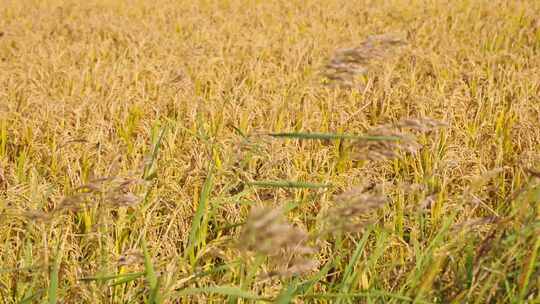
284, 151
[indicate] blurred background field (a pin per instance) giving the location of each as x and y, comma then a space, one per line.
206, 151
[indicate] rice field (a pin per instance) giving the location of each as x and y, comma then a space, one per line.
269, 151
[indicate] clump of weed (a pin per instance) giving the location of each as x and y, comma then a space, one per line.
130, 258
113, 192
353, 210
267, 233
390, 149
347, 64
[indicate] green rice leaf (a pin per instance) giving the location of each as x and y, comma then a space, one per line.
221, 290
151, 276
196, 235
288, 184
53, 284
332, 136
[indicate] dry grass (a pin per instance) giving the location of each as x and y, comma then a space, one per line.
136, 166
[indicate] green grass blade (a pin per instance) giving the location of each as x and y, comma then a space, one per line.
287, 294
33, 297
120, 278
112, 276
222, 290
3, 138
332, 136
237, 130
367, 294
306, 286
155, 296
150, 275
348, 274
19, 269
294, 289
149, 167
527, 273
529, 265
288, 184
53, 284
126, 279
196, 237
215, 269
425, 257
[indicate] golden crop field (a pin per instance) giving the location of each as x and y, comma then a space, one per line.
228, 151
